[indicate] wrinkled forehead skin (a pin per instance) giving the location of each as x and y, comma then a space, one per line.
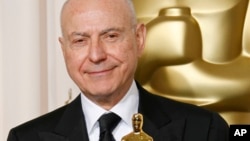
116, 10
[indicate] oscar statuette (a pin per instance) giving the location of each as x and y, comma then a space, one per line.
138, 134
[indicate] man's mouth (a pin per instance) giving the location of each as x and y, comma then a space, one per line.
100, 71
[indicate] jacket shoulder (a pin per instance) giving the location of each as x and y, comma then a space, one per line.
173, 108
45, 122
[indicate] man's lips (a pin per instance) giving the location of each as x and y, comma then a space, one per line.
99, 72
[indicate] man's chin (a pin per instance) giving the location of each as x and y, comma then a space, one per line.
101, 91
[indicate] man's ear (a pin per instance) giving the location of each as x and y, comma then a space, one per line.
141, 37
62, 43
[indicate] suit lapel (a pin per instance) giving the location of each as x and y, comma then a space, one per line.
71, 126
48, 136
157, 121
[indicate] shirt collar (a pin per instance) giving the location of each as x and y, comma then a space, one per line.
92, 112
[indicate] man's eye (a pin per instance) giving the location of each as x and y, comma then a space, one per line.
111, 37
79, 42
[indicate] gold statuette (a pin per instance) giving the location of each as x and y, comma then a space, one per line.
138, 134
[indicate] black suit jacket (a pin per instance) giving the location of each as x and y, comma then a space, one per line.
164, 120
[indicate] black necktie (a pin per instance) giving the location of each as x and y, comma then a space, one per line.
107, 124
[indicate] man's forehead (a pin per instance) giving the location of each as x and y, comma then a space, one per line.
99, 32
94, 14
75, 5
94, 10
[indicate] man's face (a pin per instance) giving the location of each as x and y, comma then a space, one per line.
101, 46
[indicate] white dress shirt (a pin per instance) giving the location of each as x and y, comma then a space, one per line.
125, 108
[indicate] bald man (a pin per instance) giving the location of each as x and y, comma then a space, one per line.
101, 43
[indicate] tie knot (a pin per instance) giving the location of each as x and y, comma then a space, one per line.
108, 122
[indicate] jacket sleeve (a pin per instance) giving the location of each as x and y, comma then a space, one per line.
219, 129
12, 136
206, 127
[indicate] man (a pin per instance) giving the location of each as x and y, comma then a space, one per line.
101, 44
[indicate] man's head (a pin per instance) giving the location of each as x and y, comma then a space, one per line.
101, 43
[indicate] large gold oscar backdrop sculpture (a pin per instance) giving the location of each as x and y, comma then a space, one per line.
198, 52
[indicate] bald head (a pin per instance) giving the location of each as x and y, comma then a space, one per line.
120, 8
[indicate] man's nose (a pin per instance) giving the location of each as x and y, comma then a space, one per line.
97, 52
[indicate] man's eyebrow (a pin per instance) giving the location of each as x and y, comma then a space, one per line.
84, 34
111, 29
80, 34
